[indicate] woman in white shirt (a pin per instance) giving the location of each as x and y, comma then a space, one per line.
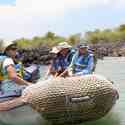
12, 83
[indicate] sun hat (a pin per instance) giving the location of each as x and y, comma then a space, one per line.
10, 46
59, 47
64, 45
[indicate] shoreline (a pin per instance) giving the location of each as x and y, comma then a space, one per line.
42, 56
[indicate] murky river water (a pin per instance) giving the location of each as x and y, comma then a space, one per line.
113, 68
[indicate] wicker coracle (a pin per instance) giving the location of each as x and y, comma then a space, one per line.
73, 99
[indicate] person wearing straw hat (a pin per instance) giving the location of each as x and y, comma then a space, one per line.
62, 59
82, 61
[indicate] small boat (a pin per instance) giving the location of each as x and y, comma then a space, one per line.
73, 99
68, 100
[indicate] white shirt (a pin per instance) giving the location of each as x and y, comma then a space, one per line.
7, 62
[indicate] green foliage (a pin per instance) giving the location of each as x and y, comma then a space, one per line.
1, 44
50, 39
74, 39
121, 28
50, 35
22, 43
98, 36
106, 35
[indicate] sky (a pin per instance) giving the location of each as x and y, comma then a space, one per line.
29, 18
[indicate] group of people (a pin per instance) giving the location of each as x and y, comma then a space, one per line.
66, 62
69, 62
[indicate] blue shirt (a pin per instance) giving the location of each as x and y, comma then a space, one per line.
60, 63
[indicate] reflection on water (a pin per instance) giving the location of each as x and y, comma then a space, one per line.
113, 68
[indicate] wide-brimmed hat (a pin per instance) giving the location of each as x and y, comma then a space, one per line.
59, 47
64, 45
11, 46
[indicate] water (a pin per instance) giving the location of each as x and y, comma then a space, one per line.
113, 68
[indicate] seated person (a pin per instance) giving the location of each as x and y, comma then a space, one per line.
62, 59
82, 62
12, 82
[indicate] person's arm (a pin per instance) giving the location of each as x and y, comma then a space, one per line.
13, 76
48, 72
51, 69
89, 67
63, 73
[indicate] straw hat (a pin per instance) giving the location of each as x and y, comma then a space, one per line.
10, 45
64, 45
60, 47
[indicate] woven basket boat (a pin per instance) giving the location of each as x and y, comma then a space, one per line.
72, 100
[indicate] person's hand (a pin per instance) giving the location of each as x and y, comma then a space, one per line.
70, 72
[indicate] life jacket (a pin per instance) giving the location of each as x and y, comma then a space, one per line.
81, 62
18, 66
2, 58
19, 69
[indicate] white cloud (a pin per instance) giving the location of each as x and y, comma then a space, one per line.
57, 6
33, 17
119, 4
49, 6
